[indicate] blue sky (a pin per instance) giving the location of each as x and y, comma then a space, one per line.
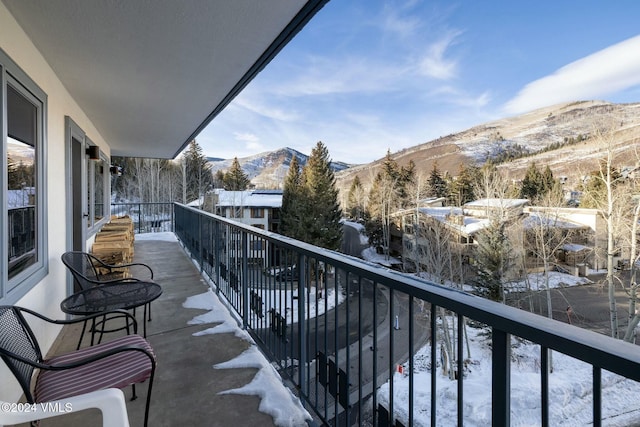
365, 76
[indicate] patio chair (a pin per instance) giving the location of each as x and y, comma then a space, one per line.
114, 364
86, 267
86, 271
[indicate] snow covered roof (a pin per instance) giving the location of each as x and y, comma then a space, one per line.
574, 247
469, 225
536, 220
497, 203
250, 198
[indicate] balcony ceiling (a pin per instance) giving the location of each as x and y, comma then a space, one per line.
150, 74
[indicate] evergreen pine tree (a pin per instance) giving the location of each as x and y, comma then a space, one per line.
462, 188
532, 183
294, 210
548, 181
199, 178
319, 180
390, 167
405, 181
373, 225
437, 184
235, 179
492, 260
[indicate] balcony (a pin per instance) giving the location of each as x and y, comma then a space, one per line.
355, 327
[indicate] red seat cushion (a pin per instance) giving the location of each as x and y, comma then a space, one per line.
118, 370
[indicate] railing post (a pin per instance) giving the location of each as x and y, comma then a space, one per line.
244, 282
173, 217
216, 245
200, 245
500, 378
302, 332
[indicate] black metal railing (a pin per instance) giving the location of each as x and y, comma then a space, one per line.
147, 217
21, 238
338, 327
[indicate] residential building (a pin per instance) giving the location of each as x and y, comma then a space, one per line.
582, 233
457, 226
257, 208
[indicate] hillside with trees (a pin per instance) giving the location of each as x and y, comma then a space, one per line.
558, 136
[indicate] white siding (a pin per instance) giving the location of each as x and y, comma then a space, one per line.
47, 294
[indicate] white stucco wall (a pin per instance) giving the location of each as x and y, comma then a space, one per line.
45, 296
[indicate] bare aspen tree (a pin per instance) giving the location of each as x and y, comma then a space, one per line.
634, 198
607, 177
634, 316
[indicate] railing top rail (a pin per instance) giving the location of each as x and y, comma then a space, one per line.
141, 203
596, 349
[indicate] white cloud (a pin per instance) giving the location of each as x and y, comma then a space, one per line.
251, 140
435, 64
598, 75
395, 24
249, 101
246, 137
340, 75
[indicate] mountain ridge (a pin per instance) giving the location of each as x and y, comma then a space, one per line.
268, 169
566, 126
556, 135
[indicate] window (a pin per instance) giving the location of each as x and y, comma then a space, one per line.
97, 204
257, 212
24, 252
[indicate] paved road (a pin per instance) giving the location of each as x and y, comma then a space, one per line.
589, 305
346, 334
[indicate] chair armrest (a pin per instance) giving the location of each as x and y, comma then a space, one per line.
117, 313
114, 266
109, 401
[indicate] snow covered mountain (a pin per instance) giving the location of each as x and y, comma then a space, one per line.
269, 169
557, 136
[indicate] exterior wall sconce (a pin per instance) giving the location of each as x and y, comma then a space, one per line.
94, 152
115, 170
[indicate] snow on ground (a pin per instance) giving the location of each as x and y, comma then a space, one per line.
371, 255
288, 300
165, 236
538, 281
570, 389
570, 392
275, 398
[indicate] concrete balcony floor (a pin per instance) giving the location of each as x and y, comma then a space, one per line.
186, 387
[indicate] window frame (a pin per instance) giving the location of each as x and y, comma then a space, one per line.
11, 290
257, 212
94, 226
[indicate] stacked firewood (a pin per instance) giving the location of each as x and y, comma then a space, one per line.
114, 243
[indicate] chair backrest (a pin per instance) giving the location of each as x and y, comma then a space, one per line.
82, 268
17, 339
